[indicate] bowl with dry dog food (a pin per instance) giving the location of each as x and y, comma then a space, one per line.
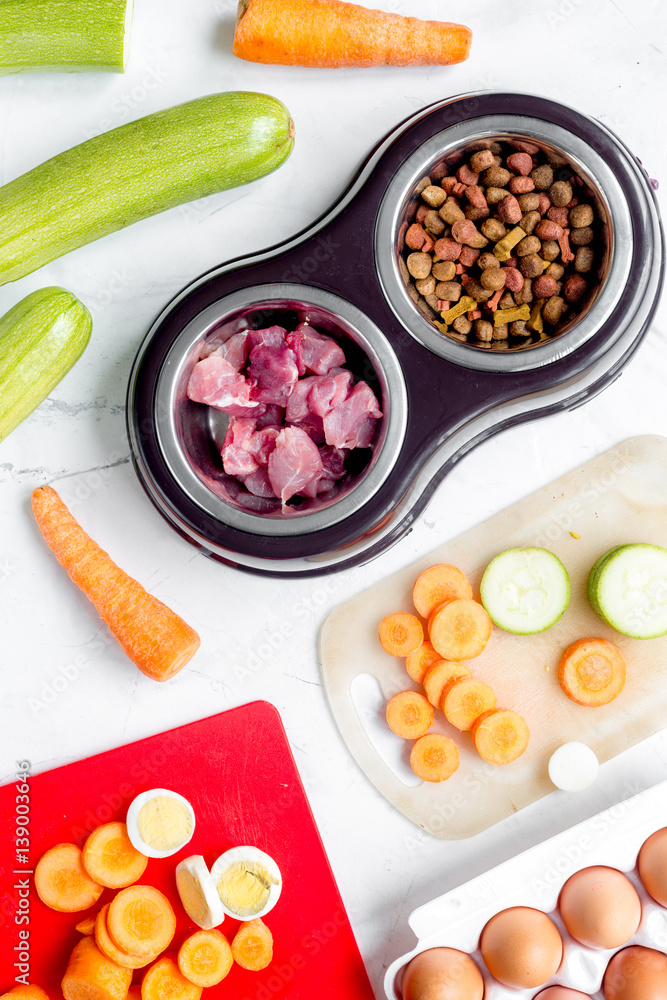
498, 257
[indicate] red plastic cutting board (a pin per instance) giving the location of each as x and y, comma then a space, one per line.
238, 772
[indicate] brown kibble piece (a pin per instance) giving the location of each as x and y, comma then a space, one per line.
529, 221
544, 287
448, 290
493, 229
519, 329
543, 176
550, 250
462, 325
553, 310
483, 330
451, 212
555, 271
582, 237
507, 301
583, 260
496, 177
433, 223
525, 294
487, 260
501, 332
509, 210
425, 286
476, 214
529, 202
493, 278
495, 195
477, 291
481, 160
581, 216
528, 245
444, 270
531, 266
434, 196
561, 193
574, 288
419, 265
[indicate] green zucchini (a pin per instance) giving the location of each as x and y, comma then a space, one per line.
627, 589
64, 35
41, 337
525, 590
137, 170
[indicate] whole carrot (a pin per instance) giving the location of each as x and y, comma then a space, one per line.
330, 33
153, 636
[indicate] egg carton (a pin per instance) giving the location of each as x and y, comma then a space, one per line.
535, 878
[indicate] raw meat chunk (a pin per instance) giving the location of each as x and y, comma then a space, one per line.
351, 423
272, 336
258, 483
293, 463
237, 459
314, 351
262, 443
235, 350
216, 382
274, 370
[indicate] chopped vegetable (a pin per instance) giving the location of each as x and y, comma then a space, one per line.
409, 714
440, 676
437, 585
418, 662
205, 958
627, 589
573, 767
62, 882
165, 981
460, 630
110, 858
64, 34
252, 946
401, 634
87, 925
525, 590
592, 672
434, 757
466, 700
141, 920
26, 993
90, 975
108, 947
500, 736
329, 33
153, 636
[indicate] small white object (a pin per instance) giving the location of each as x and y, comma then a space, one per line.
249, 854
573, 767
212, 911
132, 821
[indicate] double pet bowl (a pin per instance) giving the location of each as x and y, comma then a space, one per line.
439, 397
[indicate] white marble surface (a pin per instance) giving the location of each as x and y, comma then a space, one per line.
605, 57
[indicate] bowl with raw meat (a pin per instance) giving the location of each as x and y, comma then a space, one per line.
280, 409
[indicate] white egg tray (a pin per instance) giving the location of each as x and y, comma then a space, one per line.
535, 878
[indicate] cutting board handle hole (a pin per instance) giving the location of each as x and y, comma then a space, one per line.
370, 705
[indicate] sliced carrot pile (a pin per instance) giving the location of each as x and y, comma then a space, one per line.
165, 981
141, 921
205, 958
252, 946
26, 992
87, 925
434, 757
500, 736
108, 947
62, 882
417, 663
110, 858
401, 633
466, 700
90, 975
460, 630
409, 714
437, 585
592, 672
440, 676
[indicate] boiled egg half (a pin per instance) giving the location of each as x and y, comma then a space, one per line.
160, 822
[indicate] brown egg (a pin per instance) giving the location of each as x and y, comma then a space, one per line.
442, 974
561, 993
636, 973
653, 866
521, 947
600, 907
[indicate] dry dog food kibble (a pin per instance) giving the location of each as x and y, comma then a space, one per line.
505, 247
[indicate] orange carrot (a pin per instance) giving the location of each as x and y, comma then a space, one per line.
205, 958
141, 920
401, 634
165, 981
62, 882
434, 757
90, 975
466, 700
592, 672
26, 992
153, 636
500, 736
134, 994
252, 946
460, 630
437, 585
87, 925
107, 946
110, 858
417, 663
409, 714
440, 676
329, 33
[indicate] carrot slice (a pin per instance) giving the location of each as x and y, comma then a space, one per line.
409, 714
466, 700
90, 975
87, 925
62, 882
135, 993
401, 634
329, 33
440, 676
434, 757
29, 992
153, 636
110, 858
460, 629
500, 736
141, 921
592, 672
165, 981
438, 585
417, 663
107, 946
205, 958
252, 946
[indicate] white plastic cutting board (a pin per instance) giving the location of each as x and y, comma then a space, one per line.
618, 497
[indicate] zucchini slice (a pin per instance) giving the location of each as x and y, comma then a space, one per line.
525, 590
627, 589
